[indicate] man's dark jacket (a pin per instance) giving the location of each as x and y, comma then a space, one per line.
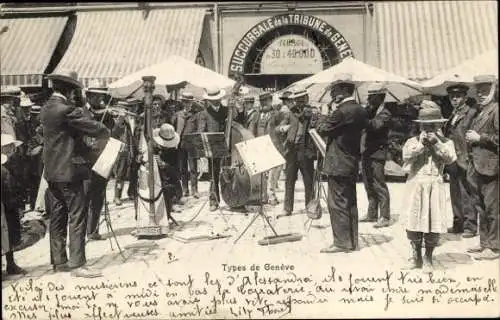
64, 126
210, 120
343, 129
455, 130
484, 153
375, 138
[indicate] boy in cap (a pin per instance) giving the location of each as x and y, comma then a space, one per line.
464, 213
374, 145
482, 138
425, 157
64, 126
343, 129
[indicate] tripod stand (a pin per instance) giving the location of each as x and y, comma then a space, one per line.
276, 238
107, 219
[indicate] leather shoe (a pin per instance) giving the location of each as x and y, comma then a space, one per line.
333, 249
85, 272
14, 269
454, 231
196, 195
61, 267
95, 236
382, 223
468, 234
475, 249
284, 214
368, 219
213, 207
487, 254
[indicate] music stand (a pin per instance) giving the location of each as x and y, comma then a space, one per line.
250, 152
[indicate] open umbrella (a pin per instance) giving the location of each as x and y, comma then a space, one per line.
173, 71
399, 88
485, 63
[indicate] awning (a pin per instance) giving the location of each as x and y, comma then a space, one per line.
108, 45
26, 48
420, 39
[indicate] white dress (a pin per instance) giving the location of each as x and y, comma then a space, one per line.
427, 206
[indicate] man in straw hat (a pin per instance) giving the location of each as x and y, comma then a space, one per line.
64, 126
213, 119
374, 144
9, 98
12, 203
464, 213
343, 129
425, 157
482, 138
185, 122
299, 150
97, 102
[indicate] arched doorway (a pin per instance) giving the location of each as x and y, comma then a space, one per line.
286, 48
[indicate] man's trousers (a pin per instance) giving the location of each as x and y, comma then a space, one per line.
306, 167
343, 208
96, 195
189, 172
461, 195
376, 188
485, 201
214, 166
65, 202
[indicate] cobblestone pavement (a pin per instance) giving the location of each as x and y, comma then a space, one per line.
382, 249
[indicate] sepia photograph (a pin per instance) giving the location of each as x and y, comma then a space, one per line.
249, 160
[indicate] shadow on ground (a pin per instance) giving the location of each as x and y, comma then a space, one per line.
367, 240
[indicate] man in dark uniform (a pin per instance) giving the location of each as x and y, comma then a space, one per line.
185, 122
265, 122
64, 126
97, 101
373, 156
464, 214
299, 150
482, 138
213, 119
343, 129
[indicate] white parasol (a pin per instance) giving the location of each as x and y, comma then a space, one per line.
485, 63
171, 72
399, 88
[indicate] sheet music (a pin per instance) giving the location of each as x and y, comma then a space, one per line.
107, 159
259, 154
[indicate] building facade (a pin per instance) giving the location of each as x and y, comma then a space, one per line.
271, 43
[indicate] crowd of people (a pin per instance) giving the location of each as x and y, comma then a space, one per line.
64, 138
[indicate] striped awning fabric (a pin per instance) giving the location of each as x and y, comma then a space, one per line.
108, 45
420, 39
26, 47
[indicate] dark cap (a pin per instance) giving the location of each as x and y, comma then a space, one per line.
286, 95
457, 88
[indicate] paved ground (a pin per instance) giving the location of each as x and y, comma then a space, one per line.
381, 249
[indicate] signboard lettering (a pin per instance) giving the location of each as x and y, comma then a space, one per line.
291, 50
243, 47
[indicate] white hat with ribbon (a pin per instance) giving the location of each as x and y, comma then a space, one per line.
166, 136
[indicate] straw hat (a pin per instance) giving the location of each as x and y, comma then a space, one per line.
249, 99
299, 92
95, 86
26, 102
9, 139
66, 76
166, 136
343, 78
265, 96
376, 88
213, 93
430, 113
35, 109
286, 95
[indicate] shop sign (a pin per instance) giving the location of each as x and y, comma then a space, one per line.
291, 54
246, 43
